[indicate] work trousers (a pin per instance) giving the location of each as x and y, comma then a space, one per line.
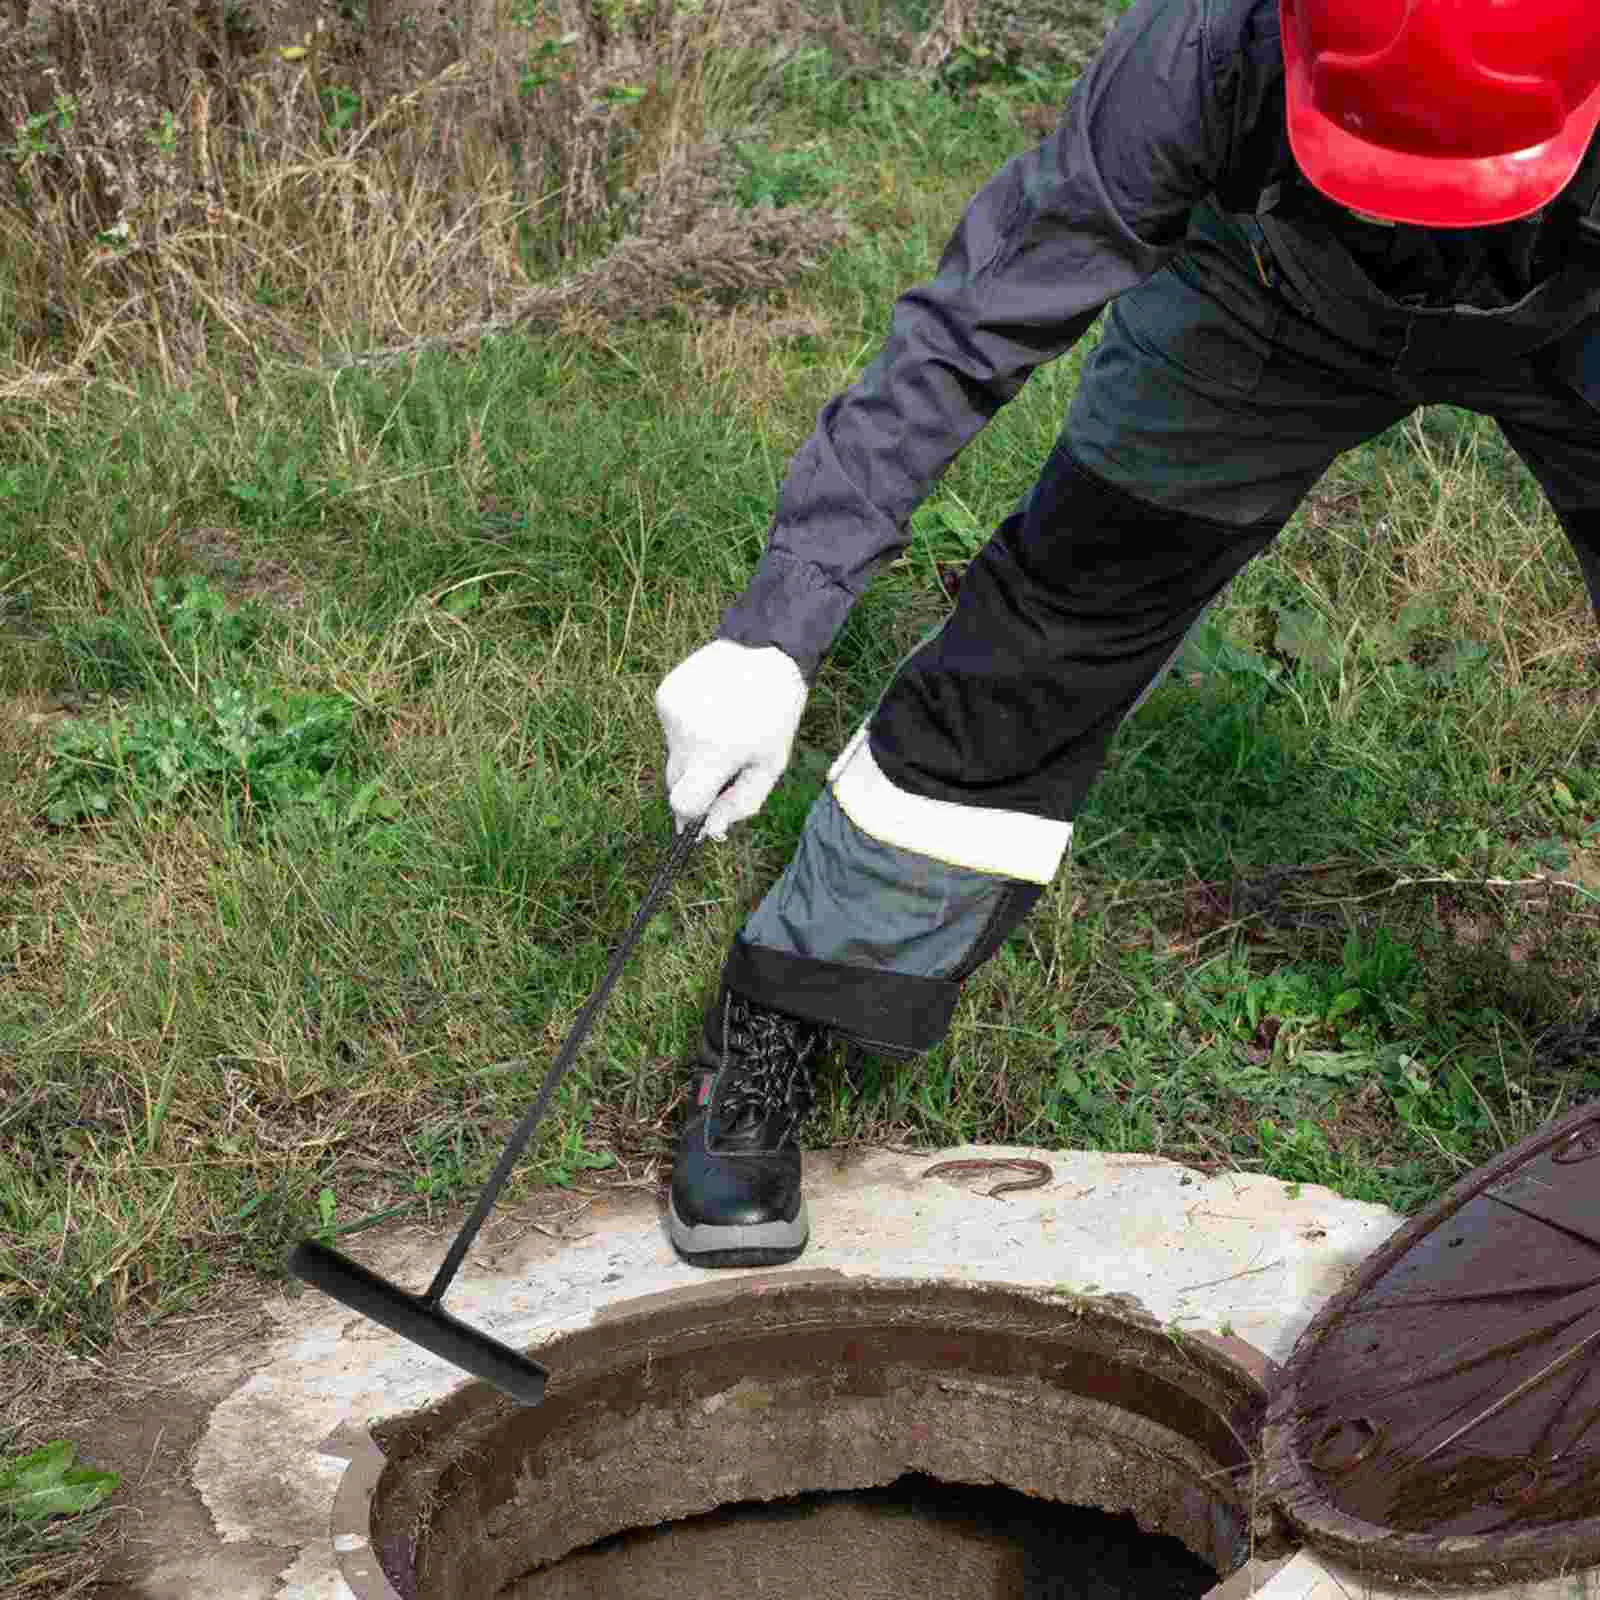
1214, 401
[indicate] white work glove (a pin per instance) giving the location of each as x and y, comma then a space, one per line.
729, 711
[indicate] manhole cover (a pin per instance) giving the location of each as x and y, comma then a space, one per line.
749, 1399
1441, 1416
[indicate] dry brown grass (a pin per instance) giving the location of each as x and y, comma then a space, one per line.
1015, 33
687, 250
278, 179
956, 21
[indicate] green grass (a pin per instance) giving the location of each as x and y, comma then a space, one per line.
242, 1002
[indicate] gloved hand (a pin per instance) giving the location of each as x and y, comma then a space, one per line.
729, 711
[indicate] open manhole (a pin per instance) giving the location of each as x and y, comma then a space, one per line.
808, 1433
914, 1538
815, 1434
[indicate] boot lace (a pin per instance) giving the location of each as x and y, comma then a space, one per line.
771, 1064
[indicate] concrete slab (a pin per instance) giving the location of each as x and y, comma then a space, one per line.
1237, 1254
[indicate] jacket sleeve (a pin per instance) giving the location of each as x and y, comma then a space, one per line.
1095, 209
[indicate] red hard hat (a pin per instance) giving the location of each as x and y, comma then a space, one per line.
1446, 113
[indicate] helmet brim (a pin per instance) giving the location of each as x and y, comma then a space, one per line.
1429, 191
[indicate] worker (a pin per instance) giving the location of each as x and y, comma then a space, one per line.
1307, 218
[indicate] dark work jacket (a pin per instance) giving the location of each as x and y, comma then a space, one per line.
1182, 110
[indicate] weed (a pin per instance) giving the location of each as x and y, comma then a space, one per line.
256, 750
779, 178
573, 1159
199, 620
176, 629
47, 1483
49, 1508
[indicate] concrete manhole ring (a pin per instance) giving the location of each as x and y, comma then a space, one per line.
759, 1389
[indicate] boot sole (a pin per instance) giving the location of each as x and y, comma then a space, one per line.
750, 1244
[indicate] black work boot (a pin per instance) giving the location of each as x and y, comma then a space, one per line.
736, 1198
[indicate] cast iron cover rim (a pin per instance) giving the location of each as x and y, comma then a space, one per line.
1290, 1479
